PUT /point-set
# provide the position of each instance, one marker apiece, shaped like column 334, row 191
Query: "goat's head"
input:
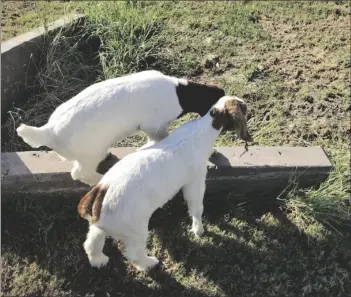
column 229, row 113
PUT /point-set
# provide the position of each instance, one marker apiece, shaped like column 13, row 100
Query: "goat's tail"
column 92, row 203
column 34, row 136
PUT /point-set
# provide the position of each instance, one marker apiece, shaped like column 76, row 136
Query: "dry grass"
column 249, row 252
column 19, row 16
column 291, row 62
column 56, row 82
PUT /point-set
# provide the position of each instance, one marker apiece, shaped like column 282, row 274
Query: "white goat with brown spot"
column 128, row 194
column 82, row 129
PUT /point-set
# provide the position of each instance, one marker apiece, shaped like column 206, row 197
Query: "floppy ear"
column 243, row 107
column 236, row 110
column 232, row 117
column 227, row 117
column 220, row 117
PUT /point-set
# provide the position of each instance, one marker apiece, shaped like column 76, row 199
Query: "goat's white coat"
column 83, row 128
column 145, row 180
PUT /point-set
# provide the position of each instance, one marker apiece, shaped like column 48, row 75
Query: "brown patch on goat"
column 232, row 116
column 106, row 163
column 90, row 205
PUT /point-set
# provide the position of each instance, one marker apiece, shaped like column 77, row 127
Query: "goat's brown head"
column 229, row 113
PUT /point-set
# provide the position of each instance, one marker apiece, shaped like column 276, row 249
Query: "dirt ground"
column 290, row 61
column 12, row 11
column 17, row 17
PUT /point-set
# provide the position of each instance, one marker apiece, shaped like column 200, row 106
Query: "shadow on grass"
column 52, row 235
column 243, row 252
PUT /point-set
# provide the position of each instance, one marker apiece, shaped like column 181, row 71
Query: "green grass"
column 290, row 61
column 127, row 36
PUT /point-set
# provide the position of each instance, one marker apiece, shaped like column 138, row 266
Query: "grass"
column 244, row 252
column 290, row 61
column 56, row 82
column 19, row 17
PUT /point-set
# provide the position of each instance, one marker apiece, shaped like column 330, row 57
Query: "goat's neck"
column 205, row 135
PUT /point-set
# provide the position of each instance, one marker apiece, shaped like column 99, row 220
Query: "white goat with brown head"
column 125, row 198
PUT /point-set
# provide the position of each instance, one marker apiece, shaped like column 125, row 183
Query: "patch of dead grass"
column 289, row 62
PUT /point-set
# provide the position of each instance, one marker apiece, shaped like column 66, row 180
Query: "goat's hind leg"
column 86, row 172
column 93, row 246
column 154, row 134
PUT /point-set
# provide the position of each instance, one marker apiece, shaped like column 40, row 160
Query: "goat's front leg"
column 213, row 152
column 93, row 246
column 154, row 135
column 194, row 194
column 85, row 171
column 135, row 248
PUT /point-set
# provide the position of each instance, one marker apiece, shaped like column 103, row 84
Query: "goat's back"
column 115, row 108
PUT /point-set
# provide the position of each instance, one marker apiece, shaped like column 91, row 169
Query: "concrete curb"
column 29, row 36
column 21, row 58
column 260, row 170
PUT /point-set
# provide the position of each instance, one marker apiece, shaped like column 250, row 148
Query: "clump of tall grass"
column 66, row 70
column 329, row 203
column 128, row 33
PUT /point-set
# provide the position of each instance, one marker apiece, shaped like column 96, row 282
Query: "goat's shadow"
column 218, row 159
column 47, row 231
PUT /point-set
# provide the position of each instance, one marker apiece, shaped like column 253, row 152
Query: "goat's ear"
column 236, row 110
column 219, row 118
column 243, row 107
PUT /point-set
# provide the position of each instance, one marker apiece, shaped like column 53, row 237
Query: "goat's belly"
column 95, row 136
column 133, row 215
column 156, row 192
column 86, row 143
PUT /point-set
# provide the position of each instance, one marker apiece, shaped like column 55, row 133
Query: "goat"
column 127, row 195
column 83, row 128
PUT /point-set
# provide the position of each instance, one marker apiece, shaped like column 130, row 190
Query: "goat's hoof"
column 92, row 184
column 61, row 158
column 198, row 231
column 145, row 146
column 98, row 261
column 151, row 262
column 214, row 152
column 75, row 175
column 91, row 181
